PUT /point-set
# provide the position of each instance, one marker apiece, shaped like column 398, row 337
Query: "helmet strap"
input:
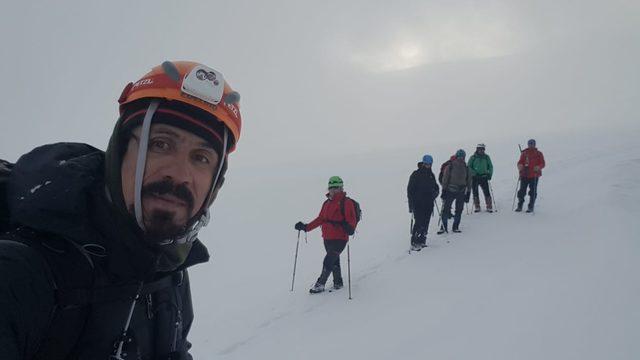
column 223, row 158
column 142, row 160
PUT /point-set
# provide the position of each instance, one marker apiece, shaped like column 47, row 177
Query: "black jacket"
column 422, row 189
column 71, row 268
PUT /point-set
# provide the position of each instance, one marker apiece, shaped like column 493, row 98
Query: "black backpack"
column 347, row 227
column 5, row 174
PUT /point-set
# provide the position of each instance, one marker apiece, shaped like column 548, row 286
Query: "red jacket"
column 529, row 159
column 330, row 218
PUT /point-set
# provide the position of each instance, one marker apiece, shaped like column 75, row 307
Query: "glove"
column 489, row 177
column 301, row 226
column 520, row 167
column 410, row 209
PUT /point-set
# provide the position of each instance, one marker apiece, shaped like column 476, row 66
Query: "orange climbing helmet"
column 193, row 84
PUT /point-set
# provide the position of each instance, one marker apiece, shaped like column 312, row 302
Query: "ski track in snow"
column 366, row 273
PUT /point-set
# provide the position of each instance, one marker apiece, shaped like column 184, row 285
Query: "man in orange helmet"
column 95, row 261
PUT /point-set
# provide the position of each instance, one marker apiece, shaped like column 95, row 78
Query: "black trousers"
column 449, row 198
column 421, row 225
column 331, row 262
column 483, row 183
column 532, row 184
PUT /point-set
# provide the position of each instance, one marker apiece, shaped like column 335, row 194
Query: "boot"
column 519, row 208
column 489, row 202
column 416, row 247
column 456, row 222
column 530, row 208
column 337, row 286
column 317, row 288
column 476, row 204
column 337, row 276
column 444, row 228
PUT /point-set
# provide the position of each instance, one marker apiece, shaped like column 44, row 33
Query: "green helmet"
column 335, row 181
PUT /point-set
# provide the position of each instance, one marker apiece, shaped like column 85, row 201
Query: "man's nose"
column 179, row 170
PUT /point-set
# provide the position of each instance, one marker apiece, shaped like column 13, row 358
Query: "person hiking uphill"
column 422, row 191
column 481, row 173
column 530, row 168
column 337, row 218
column 94, row 265
column 456, row 183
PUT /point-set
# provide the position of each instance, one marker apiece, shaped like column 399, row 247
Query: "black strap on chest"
column 82, row 297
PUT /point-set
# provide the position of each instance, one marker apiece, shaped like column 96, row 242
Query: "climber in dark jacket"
column 422, row 191
column 94, row 259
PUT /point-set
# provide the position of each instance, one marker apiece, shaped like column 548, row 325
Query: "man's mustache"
column 164, row 187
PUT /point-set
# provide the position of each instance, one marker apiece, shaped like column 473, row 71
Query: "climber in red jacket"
column 530, row 167
column 337, row 218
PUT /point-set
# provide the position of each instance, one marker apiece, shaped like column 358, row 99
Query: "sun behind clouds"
column 463, row 37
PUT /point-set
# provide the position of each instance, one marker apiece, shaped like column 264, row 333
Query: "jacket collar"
column 338, row 196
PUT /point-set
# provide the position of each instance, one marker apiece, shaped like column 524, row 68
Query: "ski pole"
column 349, row 269
column 435, row 201
column 513, row 205
column 537, row 188
column 411, row 226
column 493, row 197
column 411, row 232
column 295, row 261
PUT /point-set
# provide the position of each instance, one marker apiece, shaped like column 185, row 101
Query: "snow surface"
column 559, row 284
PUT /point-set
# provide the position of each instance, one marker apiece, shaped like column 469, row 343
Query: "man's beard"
column 161, row 224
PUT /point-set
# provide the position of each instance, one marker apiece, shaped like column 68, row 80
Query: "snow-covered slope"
column 559, row 284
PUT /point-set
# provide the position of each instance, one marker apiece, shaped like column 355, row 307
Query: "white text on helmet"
column 233, row 109
column 143, row 82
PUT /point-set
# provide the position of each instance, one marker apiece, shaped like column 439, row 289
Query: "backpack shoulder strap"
column 344, row 216
column 345, row 224
column 5, row 173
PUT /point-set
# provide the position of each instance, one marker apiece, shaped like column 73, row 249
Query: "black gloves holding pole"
column 301, row 226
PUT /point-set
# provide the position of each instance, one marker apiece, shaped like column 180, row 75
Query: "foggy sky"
column 332, row 77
